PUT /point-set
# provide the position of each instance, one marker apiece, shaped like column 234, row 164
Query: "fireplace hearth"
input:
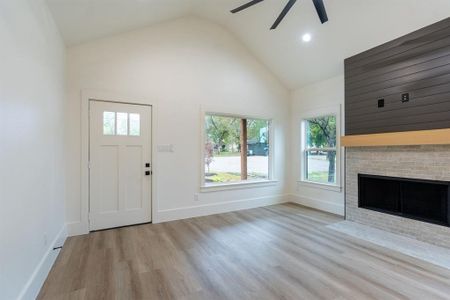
column 423, row 200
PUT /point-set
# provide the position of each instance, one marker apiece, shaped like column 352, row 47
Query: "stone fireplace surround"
column 421, row 162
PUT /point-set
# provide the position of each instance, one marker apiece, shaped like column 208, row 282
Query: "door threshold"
column 118, row 227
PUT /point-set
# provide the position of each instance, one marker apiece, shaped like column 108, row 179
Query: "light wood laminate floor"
column 276, row 252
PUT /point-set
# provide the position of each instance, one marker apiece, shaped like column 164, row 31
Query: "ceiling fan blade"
column 246, row 5
column 320, row 8
column 283, row 13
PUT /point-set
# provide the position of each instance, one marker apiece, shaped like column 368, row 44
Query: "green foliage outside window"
column 321, row 142
column 222, row 149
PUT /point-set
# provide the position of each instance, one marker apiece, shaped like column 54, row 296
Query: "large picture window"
column 320, row 150
column 236, row 149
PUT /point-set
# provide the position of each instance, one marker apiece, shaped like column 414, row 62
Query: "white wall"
column 181, row 66
column 31, row 151
column 323, row 94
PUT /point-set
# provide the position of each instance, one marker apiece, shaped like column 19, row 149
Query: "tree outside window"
column 236, row 149
column 320, row 149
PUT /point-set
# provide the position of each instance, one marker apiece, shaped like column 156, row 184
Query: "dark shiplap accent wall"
column 418, row 64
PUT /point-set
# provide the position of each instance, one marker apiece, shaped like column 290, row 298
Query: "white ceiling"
column 354, row 26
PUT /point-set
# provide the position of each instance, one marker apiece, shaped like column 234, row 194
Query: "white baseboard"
column 217, row 208
column 334, row 208
column 40, row 273
column 77, row 228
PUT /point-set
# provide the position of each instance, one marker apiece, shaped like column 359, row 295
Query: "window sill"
column 324, row 186
column 238, row 185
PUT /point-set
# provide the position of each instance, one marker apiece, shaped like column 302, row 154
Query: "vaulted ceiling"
column 354, row 26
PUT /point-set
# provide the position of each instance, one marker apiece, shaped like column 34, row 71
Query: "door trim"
column 82, row 227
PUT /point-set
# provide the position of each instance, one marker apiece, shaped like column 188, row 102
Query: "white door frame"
column 86, row 96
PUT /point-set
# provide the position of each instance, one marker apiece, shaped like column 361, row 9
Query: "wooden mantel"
column 421, row 137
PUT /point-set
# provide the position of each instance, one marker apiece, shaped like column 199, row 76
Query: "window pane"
column 222, row 149
column 122, row 123
column 321, row 166
column 257, row 149
column 109, row 123
column 135, row 124
column 321, row 132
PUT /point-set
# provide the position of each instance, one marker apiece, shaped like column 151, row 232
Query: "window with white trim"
column 236, row 149
column 320, row 153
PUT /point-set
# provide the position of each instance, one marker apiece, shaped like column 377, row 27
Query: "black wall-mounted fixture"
column 380, row 103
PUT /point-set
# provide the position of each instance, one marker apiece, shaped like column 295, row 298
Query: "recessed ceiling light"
column 306, row 37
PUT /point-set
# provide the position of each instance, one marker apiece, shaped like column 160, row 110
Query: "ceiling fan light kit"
column 318, row 4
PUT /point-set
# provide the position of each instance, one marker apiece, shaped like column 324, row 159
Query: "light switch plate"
column 165, row 148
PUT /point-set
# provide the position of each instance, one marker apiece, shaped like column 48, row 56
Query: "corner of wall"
column 40, row 273
column 326, row 93
column 217, row 208
column 320, row 204
column 77, row 228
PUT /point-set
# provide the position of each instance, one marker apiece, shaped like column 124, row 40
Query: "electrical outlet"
column 380, row 103
column 45, row 239
column 196, row 197
column 405, row 97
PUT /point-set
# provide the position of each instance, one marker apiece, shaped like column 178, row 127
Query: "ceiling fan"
column 320, row 8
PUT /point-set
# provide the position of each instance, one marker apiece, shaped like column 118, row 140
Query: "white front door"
column 120, row 164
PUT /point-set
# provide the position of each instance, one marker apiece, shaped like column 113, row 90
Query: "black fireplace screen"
column 424, row 200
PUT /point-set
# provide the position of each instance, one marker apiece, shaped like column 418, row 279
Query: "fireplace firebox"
column 423, row 200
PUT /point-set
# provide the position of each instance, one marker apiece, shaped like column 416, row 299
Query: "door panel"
column 134, row 176
column 108, row 167
column 119, row 149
